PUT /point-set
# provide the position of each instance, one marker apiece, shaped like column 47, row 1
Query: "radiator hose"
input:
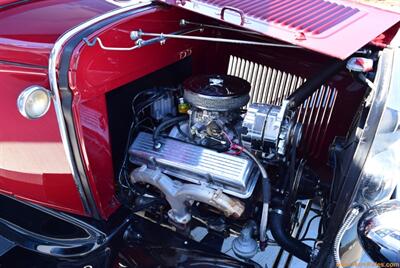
column 284, row 238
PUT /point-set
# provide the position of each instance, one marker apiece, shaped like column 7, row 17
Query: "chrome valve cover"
column 233, row 175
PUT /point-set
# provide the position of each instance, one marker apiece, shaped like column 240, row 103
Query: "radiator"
column 272, row 86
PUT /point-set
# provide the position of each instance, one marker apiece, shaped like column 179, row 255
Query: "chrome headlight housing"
column 381, row 173
column 34, row 102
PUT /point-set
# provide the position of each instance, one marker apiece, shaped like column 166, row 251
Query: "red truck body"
column 33, row 165
column 67, row 163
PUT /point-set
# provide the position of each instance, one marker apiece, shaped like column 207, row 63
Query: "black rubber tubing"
column 284, row 239
column 167, row 123
column 314, row 83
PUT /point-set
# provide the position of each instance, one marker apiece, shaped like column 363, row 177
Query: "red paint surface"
column 29, row 30
column 29, row 166
column 335, row 28
column 96, row 72
column 5, row 2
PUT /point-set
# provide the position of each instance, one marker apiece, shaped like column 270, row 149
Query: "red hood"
column 335, row 28
column 8, row 2
column 29, row 29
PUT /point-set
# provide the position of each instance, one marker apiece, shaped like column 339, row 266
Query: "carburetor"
column 216, row 102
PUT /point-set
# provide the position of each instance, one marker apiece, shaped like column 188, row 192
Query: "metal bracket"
column 164, row 36
column 139, row 42
column 182, row 34
column 98, row 40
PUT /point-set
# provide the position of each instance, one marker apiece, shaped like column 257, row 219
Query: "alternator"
column 268, row 129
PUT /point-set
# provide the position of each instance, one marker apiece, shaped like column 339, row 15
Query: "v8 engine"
column 212, row 152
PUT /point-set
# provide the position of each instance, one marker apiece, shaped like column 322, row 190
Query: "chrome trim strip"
column 52, row 69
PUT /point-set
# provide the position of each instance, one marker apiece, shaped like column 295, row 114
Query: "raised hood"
column 334, row 28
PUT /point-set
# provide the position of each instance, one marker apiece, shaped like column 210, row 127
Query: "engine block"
column 233, row 175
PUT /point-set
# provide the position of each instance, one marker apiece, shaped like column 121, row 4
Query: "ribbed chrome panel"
column 272, row 86
column 232, row 174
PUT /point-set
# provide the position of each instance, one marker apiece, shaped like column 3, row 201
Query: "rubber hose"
column 285, row 240
column 164, row 125
column 311, row 85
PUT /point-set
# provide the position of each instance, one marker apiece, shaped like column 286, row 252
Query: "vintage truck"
column 198, row 133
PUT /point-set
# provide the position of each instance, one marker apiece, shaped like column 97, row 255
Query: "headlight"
column 34, row 102
column 381, row 171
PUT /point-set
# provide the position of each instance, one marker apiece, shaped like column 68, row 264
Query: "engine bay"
column 208, row 157
column 192, row 133
column 231, row 139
